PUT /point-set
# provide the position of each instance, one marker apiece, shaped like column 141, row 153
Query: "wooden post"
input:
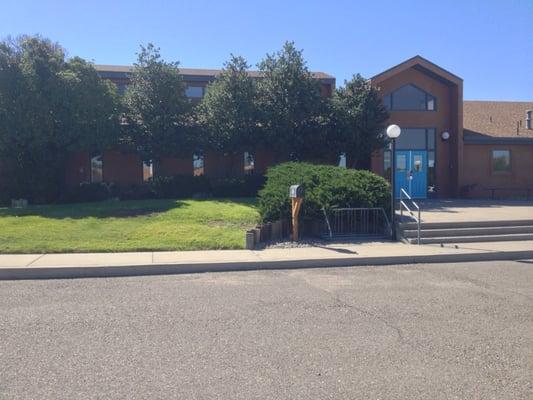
column 296, row 205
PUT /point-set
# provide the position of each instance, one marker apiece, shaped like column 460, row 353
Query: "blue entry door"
column 412, row 173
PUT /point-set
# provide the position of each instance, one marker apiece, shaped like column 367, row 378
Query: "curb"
column 69, row 272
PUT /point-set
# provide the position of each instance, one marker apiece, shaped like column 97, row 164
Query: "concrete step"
column 469, row 239
column 476, row 231
column 465, row 224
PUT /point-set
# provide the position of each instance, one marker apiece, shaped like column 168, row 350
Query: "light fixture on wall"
column 445, row 135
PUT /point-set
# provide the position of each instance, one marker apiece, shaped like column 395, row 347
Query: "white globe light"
column 445, row 135
column 393, row 131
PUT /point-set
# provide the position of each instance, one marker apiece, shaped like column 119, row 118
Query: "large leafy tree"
column 157, row 110
column 357, row 121
column 49, row 107
column 227, row 114
column 292, row 109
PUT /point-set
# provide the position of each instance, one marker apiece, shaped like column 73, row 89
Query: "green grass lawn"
column 128, row 226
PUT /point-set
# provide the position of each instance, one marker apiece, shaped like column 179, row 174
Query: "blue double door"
column 412, row 173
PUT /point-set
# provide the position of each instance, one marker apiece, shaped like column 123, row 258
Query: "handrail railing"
column 356, row 222
column 403, row 204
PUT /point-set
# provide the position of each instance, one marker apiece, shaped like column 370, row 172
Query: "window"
column 198, row 164
column 387, row 164
column 342, row 160
column 401, row 162
column 417, row 161
column 148, row 170
column 409, row 98
column 501, row 161
column 249, row 163
column 194, row 92
column 416, row 139
column 431, row 138
column 411, row 139
column 121, row 88
column 97, row 170
column 431, row 171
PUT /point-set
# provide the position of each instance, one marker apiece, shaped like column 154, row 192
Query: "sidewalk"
column 43, row 266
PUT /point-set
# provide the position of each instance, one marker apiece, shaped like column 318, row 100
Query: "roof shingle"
column 200, row 72
column 496, row 119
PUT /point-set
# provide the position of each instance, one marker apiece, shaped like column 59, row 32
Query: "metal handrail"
column 327, row 222
column 417, row 219
column 364, row 210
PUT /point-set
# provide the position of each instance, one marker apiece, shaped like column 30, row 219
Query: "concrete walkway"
column 459, row 210
column 41, row 266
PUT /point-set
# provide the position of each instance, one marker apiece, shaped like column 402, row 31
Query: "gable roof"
column 122, row 71
column 420, row 63
column 490, row 121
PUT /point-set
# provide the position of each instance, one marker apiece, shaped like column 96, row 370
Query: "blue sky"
column 488, row 43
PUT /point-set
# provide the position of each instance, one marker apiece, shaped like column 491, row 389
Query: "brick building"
column 448, row 147
column 128, row 169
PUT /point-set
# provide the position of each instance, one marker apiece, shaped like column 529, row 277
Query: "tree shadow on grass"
column 102, row 209
column 242, row 201
column 113, row 208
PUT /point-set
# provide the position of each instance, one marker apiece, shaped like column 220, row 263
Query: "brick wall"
column 122, row 169
column 78, row 169
column 443, row 119
column 477, row 170
column 174, row 166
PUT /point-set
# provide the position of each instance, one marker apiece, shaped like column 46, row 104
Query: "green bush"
column 180, row 186
column 186, row 186
column 141, row 191
column 325, row 187
column 87, row 192
column 246, row 186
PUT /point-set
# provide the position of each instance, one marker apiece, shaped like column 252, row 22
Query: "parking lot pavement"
column 435, row 331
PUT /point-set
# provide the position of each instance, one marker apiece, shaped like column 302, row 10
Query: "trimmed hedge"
column 246, row 186
column 87, row 191
column 325, row 187
column 179, row 186
column 167, row 187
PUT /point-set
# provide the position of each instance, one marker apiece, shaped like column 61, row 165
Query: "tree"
column 156, row 108
column 227, row 114
column 357, row 121
column 49, row 107
column 292, row 109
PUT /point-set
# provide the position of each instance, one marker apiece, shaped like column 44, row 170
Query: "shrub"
column 135, row 192
column 87, row 191
column 180, row 186
column 246, row 186
column 326, row 187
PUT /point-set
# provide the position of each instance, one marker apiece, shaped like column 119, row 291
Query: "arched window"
column 410, row 98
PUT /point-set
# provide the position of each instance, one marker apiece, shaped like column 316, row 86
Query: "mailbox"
column 296, row 192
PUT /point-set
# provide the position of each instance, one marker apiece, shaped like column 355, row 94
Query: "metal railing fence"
column 356, row 222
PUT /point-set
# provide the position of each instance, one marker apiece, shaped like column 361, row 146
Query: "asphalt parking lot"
column 441, row 331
